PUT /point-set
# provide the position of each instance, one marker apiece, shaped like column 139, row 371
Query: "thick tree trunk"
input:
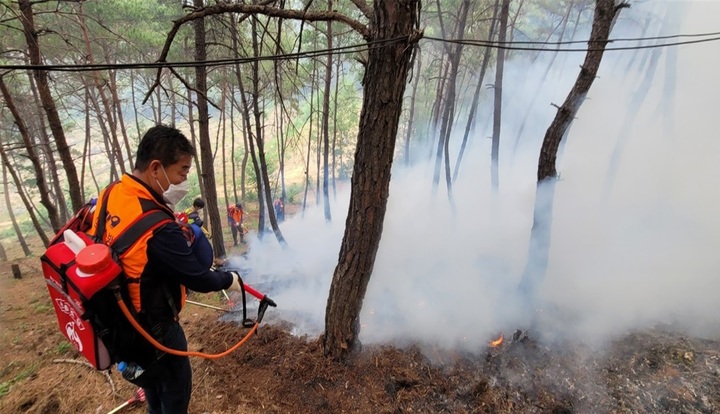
column 41, row 79
column 384, row 80
column 605, row 13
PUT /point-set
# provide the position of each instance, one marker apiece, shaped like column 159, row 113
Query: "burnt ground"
column 653, row 371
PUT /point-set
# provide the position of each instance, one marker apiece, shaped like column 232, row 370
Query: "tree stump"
column 16, row 271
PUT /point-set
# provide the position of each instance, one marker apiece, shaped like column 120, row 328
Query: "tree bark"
column 11, row 214
column 309, row 145
column 539, row 249
column 448, row 115
column 107, row 142
column 33, row 157
column 411, row 114
column 41, row 79
column 265, row 203
column 497, row 114
column 326, row 121
column 549, row 66
column 100, row 86
column 49, row 158
column 7, row 166
column 206, row 158
column 338, row 67
column 117, row 105
column 385, row 79
column 476, row 96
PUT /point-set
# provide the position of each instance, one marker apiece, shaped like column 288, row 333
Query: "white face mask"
column 174, row 192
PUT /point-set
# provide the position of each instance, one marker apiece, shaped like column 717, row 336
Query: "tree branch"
column 221, row 8
column 364, row 8
column 190, row 87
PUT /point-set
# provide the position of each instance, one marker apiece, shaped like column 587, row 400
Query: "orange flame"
column 497, row 342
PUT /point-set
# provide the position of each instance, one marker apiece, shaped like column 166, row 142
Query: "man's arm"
column 170, row 256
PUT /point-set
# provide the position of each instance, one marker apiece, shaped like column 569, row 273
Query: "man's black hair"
column 198, row 203
column 163, row 143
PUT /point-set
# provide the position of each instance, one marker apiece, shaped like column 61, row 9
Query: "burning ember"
column 496, row 343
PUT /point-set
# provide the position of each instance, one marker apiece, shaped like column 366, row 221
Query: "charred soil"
column 654, row 371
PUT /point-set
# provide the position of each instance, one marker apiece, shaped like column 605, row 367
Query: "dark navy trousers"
column 170, row 391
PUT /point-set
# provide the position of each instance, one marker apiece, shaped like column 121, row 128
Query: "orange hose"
column 163, row 348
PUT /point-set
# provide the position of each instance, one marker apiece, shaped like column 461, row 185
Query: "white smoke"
column 642, row 254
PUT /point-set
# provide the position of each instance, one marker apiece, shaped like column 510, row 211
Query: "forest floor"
column 655, row 371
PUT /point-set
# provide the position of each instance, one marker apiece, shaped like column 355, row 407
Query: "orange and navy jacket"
column 235, row 215
column 160, row 262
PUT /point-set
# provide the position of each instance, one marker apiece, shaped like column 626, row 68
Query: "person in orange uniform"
column 160, row 265
column 235, row 217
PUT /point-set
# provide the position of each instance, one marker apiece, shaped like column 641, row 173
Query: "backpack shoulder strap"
column 147, row 221
column 102, row 213
column 150, row 220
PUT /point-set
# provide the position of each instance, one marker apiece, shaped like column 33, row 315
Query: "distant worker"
column 235, row 218
column 193, row 213
column 279, row 210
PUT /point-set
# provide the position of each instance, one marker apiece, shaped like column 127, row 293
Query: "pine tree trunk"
column 476, row 96
column 33, row 157
column 385, row 79
column 605, row 13
column 497, row 114
column 41, row 79
column 326, row 121
column 11, row 214
column 7, row 167
column 411, row 115
column 49, row 158
column 206, row 157
column 265, row 204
